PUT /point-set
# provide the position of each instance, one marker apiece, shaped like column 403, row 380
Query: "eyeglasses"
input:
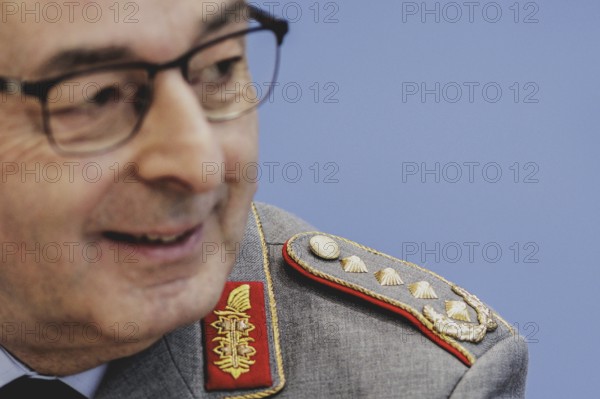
column 98, row 109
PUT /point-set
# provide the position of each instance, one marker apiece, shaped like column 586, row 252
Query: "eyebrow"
column 71, row 59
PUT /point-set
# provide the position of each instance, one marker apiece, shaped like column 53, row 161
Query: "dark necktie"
column 35, row 388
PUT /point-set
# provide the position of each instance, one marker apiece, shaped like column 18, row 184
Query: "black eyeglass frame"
column 40, row 89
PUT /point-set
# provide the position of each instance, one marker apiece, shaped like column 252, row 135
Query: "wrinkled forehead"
column 32, row 31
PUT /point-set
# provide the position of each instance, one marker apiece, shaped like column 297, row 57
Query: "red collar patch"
column 236, row 341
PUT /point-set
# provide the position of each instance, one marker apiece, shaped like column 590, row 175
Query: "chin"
column 176, row 304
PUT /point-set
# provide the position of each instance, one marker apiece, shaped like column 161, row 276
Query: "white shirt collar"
column 86, row 382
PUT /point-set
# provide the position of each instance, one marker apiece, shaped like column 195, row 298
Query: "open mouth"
column 150, row 240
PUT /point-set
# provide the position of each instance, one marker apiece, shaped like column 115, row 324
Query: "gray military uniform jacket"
column 338, row 334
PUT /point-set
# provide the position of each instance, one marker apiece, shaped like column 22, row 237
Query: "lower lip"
column 131, row 253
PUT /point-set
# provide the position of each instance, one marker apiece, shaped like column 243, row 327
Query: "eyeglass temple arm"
column 280, row 26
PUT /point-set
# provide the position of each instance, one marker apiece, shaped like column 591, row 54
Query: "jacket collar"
column 174, row 366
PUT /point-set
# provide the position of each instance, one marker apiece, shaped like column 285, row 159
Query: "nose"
column 176, row 142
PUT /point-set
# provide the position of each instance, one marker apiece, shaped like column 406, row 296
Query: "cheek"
column 21, row 134
column 239, row 140
column 45, row 196
column 241, row 154
column 36, row 182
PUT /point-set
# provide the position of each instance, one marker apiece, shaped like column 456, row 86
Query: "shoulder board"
column 447, row 314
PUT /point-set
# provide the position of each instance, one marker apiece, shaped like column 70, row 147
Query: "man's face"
column 65, row 221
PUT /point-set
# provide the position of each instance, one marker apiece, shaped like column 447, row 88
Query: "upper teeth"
column 153, row 237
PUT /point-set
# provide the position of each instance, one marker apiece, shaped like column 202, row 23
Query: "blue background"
column 365, row 132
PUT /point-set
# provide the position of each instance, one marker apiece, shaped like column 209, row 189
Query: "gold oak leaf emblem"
column 233, row 327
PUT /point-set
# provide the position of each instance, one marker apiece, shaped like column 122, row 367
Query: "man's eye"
column 225, row 67
column 105, row 95
column 218, row 72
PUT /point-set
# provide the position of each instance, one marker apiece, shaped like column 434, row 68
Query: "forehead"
column 155, row 30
